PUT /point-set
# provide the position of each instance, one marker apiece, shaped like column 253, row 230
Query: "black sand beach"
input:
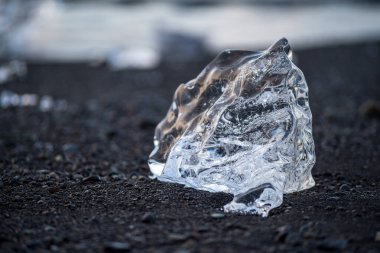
column 77, row 180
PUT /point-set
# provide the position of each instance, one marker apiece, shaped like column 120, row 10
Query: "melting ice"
column 244, row 127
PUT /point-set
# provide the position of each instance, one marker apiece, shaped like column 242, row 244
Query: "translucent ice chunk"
column 243, row 126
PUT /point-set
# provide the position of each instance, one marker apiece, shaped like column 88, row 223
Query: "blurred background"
column 133, row 33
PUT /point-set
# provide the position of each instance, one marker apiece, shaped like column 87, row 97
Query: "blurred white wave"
column 128, row 35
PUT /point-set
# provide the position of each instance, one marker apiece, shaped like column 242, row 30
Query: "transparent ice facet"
column 243, row 126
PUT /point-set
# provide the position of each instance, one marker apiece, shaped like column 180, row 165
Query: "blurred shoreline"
column 135, row 35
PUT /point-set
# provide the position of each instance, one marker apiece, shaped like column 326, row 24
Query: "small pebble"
column 54, row 248
column 77, row 177
column 203, row 228
column 377, row 236
column 344, row 187
column 58, row 158
column 370, row 108
column 111, row 133
column 53, row 175
column 29, row 231
column 70, row 148
column 53, row 189
column 115, row 247
column 306, row 227
column 332, row 244
column 49, row 228
column 293, row 238
column 177, row 237
column 282, row 232
column 71, row 206
column 91, row 179
column 147, row 218
column 218, row 215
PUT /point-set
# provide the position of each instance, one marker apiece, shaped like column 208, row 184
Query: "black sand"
column 77, row 180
